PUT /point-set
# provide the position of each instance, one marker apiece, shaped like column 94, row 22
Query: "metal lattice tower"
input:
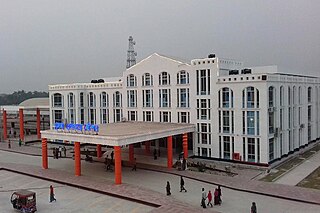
column 131, row 54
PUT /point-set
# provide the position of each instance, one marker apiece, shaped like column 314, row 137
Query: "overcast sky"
column 47, row 42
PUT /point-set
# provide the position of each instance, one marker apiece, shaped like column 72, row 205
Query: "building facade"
column 255, row 115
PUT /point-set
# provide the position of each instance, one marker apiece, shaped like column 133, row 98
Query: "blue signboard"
column 78, row 128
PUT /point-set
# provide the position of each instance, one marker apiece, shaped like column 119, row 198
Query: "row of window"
column 164, row 79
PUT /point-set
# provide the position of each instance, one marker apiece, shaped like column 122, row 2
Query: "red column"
column 117, row 165
column 169, row 144
column 185, row 145
column 4, row 121
column 99, row 152
column 147, row 147
column 21, row 124
column 44, row 154
column 131, row 153
column 77, row 159
column 38, row 123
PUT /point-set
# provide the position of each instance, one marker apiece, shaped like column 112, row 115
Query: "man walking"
column 112, row 154
column 52, row 198
column 182, row 185
column 203, row 198
column 134, row 168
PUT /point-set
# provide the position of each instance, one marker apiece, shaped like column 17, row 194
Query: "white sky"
column 49, row 41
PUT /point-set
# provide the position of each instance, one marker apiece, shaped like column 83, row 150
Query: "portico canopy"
column 122, row 133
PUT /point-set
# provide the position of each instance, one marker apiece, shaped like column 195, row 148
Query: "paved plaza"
column 69, row 199
column 152, row 184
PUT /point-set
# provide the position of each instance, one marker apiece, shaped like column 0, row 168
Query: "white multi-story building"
column 255, row 115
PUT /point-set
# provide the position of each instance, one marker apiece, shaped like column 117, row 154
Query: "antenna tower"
column 131, row 54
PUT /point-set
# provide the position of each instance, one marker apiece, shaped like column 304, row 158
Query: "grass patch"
column 312, row 180
column 289, row 164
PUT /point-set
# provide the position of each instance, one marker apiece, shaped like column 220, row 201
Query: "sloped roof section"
column 156, row 55
column 35, row 102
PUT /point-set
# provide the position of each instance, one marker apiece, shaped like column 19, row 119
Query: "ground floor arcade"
column 118, row 136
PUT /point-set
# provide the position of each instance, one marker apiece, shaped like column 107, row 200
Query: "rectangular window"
column 132, row 98
column 82, row 121
column 226, row 121
column 203, row 82
column 251, row 150
column 164, row 98
column 183, row 98
column 271, row 149
column 226, row 147
column 147, row 98
column 250, row 123
column 148, row 116
column 57, row 116
column 165, row 117
column 104, row 116
column 183, row 117
column 132, row 115
column 117, row 115
column 204, row 152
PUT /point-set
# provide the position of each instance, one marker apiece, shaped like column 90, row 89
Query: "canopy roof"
column 122, row 133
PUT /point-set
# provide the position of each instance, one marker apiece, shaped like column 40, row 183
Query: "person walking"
column 65, row 151
column 209, row 199
column 219, row 195
column 182, row 185
column 134, row 168
column 168, row 188
column 9, row 144
column 20, row 142
column 216, row 199
column 112, row 154
column 60, row 151
column 155, row 154
column 253, row 208
column 52, row 198
column 203, row 198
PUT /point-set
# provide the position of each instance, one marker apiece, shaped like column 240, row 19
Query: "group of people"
column 57, row 152
column 216, row 199
column 182, row 188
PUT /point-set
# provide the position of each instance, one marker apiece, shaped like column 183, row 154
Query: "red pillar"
column 99, row 152
column 147, row 147
column 4, row 121
column 117, row 165
column 131, row 153
column 44, row 154
column 38, row 123
column 185, row 145
column 169, row 144
column 21, row 124
column 77, row 159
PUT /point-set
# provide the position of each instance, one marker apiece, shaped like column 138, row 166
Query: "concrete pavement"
column 297, row 174
column 152, row 184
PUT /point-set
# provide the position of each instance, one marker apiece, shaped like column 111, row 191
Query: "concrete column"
column 131, row 153
column 147, row 147
column 21, row 124
column 117, row 165
column 44, row 154
column 99, row 152
column 4, row 121
column 169, row 145
column 38, row 123
column 77, row 159
column 185, row 145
